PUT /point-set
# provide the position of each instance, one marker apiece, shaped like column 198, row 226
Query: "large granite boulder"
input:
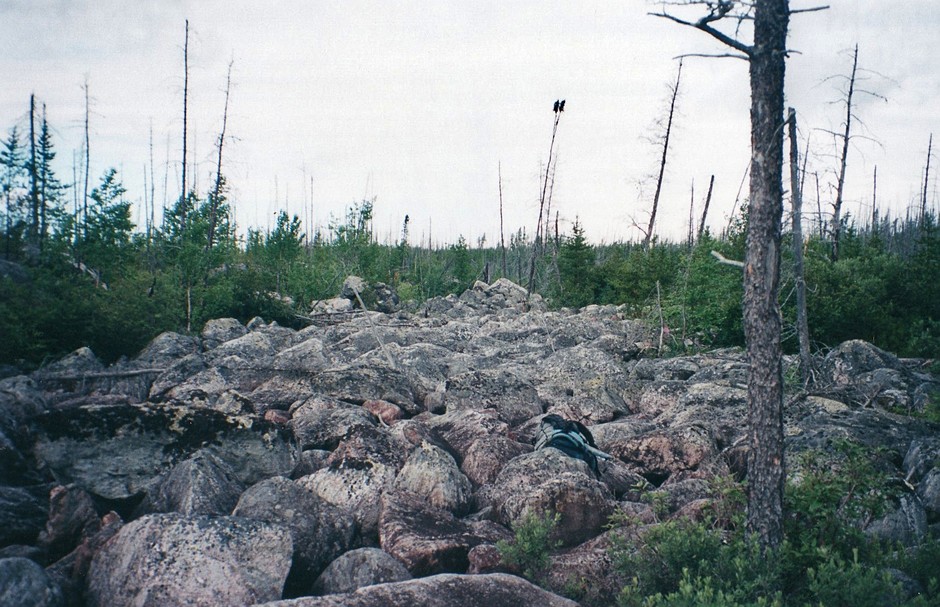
column 429, row 540
column 358, row 472
column 548, row 481
column 201, row 484
column 444, row 590
column 432, row 474
column 358, row 568
column 320, row 531
column 169, row 560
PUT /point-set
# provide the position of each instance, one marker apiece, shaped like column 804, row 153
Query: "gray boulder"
column 548, row 481
column 320, row 531
column 432, row 474
column 166, row 349
column 23, row 583
column 906, row 524
column 358, row 568
column 23, row 513
column 201, row 484
column 220, row 330
column 358, row 471
column 167, row 560
column 322, row 423
column 488, row 455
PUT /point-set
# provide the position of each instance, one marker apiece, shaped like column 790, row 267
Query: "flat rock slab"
column 444, row 590
column 118, row 451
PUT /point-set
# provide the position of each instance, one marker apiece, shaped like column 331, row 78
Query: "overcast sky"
column 420, row 103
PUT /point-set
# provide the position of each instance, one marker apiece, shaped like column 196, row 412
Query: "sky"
column 431, row 107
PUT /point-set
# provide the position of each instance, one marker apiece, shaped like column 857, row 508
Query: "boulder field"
column 376, row 458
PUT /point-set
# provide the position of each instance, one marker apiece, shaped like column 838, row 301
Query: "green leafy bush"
column 531, row 548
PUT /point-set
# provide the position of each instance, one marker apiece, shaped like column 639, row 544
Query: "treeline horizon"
column 88, row 276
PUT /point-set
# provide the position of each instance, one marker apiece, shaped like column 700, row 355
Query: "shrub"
column 530, row 549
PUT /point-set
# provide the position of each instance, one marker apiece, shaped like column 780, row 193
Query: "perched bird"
column 561, row 106
column 556, row 106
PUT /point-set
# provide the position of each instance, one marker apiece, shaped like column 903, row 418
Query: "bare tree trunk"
column 690, row 237
column 87, row 164
column 538, row 228
column 840, row 184
column 662, row 162
column 874, row 200
column 33, row 175
column 217, row 190
column 708, row 200
column 185, row 116
column 802, row 324
column 502, row 232
column 762, row 275
column 923, row 202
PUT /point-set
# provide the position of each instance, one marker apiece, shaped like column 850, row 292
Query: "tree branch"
column 810, row 10
column 703, row 24
column 713, row 56
column 729, row 262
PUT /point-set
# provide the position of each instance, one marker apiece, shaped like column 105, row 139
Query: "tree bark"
column 762, row 320
column 796, row 194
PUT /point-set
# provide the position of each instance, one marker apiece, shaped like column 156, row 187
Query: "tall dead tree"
column 843, row 160
column 708, row 201
column 185, row 117
column 502, row 232
column 87, row 162
column 219, row 180
column 796, row 201
column 662, row 163
column 923, row 200
column 33, row 176
column 766, row 58
column 558, row 109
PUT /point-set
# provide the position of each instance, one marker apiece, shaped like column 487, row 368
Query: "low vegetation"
column 709, row 561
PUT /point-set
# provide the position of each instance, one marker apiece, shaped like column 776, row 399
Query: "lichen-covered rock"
column 358, row 471
column 322, row 424
column 169, row 560
column 23, row 583
column 429, row 540
column 488, row 455
column 444, row 590
column 657, row 456
column 320, row 531
column 906, row 524
column 220, row 330
column 548, row 481
column 201, row 484
column 460, row 429
column 514, row 399
column 120, row 451
column 432, row 474
column 358, row 568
